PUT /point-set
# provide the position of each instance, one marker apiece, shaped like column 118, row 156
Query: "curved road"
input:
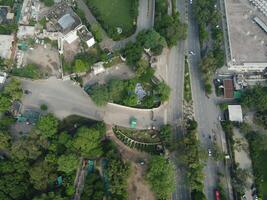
column 145, row 20
column 63, row 98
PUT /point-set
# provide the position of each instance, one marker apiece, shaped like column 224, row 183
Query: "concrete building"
column 6, row 46
column 64, row 20
column 246, row 37
column 5, row 15
column 235, row 113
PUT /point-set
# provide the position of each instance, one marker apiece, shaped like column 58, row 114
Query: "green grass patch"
column 29, row 71
column 147, row 136
column 115, row 13
column 187, row 83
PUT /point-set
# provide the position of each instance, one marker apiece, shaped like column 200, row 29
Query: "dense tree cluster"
column 209, row 20
column 255, row 98
column 169, row 26
column 161, row 177
column 148, row 39
column 31, row 164
column 11, row 92
column 190, row 155
column 123, row 92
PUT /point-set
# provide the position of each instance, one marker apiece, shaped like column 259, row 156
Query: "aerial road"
column 206, row 114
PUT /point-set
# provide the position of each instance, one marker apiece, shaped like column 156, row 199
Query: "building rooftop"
column 247, row 39
column 228, row 88
column 66, row 21
column 62, row 18
column 235, row 113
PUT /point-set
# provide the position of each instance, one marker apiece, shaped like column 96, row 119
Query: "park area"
column 115, row 14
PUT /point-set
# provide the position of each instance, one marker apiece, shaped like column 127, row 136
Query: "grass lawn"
column 114, row 13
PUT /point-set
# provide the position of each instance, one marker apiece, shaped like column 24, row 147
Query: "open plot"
column 45, row 58
column 113, row 14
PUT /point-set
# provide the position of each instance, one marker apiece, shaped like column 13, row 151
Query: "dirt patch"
column 70, row 50
column 46, row 58
column 138, row 189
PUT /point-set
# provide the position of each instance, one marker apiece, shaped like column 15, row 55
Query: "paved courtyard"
column 63, row 98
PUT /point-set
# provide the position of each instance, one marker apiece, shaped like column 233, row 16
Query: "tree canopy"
column 161, row 176
column 88, row 142
column 48, row 125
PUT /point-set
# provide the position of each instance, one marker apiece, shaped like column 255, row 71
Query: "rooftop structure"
column 247, row 38
column 228, row 88
column 6, row 46
column 63, row 19
column 3, row 76
column 235, row 113
column 5, row 15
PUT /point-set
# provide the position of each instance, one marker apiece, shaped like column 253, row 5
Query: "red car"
column 217, row 194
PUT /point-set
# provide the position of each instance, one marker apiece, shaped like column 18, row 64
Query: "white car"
column 209, row 152
column 192, row 53
column 191, row 1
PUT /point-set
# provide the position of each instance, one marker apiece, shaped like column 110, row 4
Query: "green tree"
column 97, row 32
column 5, row 140
column 42, row 173
column 164, row 91
column 13, row 89
column 255, row 98
column 133, row 53
column 165, row 134
column 43, row 107
column 161, row 176
column 99, row 94
column 5, row 103
column 150, row 39
column 93, row 187
column 67, row 163
column 80, row 66
column 50, row 196
column 118, row 173
column 87, row 142
column 116, row 89
column 48, row 3
column 48, row 125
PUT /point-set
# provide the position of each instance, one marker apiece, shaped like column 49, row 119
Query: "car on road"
column 209, row 152
column 191, row 52
column 191, row 2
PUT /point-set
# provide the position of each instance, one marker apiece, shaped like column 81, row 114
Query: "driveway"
column 63, row 98
column 120, row 71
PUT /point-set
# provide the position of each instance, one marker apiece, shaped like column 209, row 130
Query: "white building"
column 3, row 76
column 235, row 113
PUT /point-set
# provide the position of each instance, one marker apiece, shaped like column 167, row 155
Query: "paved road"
column 206, row 114
column 145, row 20
column 175, row 79
column 64, row 98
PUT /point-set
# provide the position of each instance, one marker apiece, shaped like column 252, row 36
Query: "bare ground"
column 138, row 189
